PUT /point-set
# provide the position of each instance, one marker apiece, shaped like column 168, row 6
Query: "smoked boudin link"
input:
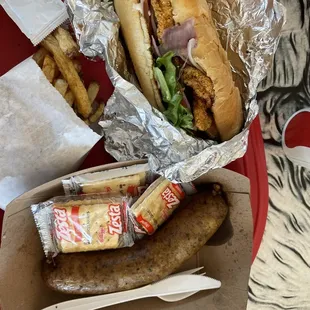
column 149, row 260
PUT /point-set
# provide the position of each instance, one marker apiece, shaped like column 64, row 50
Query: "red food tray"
column 16, row 47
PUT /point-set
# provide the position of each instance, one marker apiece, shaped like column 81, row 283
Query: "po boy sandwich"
column 181, row 65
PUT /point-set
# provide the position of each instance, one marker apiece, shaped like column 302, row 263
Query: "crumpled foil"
column 248, row 29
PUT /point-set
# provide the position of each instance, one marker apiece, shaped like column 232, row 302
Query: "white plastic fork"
column 172, row 285
column 179, row 297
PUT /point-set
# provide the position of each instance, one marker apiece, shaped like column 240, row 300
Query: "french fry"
column 69, row 97
column 66, row 42
column 61, row 85
column 50, row 68
column 39, row 56
column 77, row 65
column 93, row 90
column 68, row 71
column 95, row 117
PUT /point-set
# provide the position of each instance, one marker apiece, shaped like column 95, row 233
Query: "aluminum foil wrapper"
column 248, row 29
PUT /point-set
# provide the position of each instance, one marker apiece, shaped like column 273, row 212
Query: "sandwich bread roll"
column 135, row 32
column 221, row 102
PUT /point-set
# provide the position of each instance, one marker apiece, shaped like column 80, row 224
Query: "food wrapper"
column 36, row 18
column 131, row 181
column 41, row 138
column 158, row 202
column 83, row 223
column 249, row 31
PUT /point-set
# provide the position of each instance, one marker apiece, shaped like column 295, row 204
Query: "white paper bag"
column 41, row 137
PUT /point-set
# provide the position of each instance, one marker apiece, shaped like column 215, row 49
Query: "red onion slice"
column 185, row 103
column 146, row 9
column 177, row 37
column 153, row 23
column 191, row 44
column 155, row 47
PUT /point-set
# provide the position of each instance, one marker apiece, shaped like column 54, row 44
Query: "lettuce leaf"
column 165, row 74
column 172, row 112
column 170, row 71
column 165, row 92
column 185, row 118
column 178, row 115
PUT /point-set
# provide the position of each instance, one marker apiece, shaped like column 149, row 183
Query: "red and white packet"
column 83, row 223
column 131, row 181
column 158, row 202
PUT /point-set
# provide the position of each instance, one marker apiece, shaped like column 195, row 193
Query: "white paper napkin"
column 36, row 18
column 41, row 137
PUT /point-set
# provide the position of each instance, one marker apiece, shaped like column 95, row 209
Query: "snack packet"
column 132, row 181
column 83, row 223
column 158, row 202
column 36, row 18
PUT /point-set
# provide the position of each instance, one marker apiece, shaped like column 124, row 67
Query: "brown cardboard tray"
column 227, row 260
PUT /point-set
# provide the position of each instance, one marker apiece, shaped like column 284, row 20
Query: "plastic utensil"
column 178, row 297
column 176, row 284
